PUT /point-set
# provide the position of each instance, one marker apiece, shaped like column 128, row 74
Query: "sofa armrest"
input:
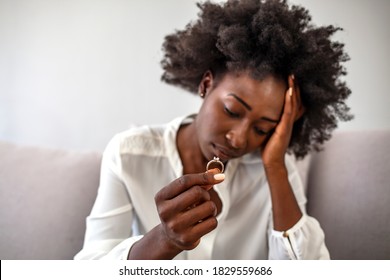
column 45, row 196
column 349, row 193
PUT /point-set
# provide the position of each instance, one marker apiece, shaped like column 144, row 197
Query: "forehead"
column 269, row 83
column 267, row 93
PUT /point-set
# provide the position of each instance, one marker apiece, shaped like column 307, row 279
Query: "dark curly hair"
column 266, row 37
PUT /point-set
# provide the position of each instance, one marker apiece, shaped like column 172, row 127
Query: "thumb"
column 217, row 176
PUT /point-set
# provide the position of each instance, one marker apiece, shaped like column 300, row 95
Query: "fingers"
column 189, row 238
column 296, row 102
column 287, row 118
column 276, row 146
column 185, row 182
column 186, row 192
column 184, row 229
column 203, row 227
column 292, row 110
column 184, row 201
column 186, row 210
column 290, row 97
column 192, row 217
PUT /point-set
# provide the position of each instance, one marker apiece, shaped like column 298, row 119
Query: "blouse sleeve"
column 109, row 225
column 306, row 239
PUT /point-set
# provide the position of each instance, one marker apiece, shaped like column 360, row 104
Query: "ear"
column 206, row 83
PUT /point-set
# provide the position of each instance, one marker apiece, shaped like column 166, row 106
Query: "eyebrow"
column 246, row 105
column 241, row 101
column 270, row 120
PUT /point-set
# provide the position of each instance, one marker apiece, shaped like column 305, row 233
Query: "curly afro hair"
column 266, row 37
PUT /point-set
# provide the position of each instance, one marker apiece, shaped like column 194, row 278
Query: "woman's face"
column 238, row 114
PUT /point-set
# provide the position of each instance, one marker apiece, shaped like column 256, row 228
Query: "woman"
column 270, row 85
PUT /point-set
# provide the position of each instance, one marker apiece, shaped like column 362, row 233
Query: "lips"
column 225, row 153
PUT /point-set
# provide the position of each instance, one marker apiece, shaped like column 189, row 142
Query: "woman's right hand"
column 186, row 210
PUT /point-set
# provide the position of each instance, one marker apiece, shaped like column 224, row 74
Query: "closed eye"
column 260, row 131
column 231, row 113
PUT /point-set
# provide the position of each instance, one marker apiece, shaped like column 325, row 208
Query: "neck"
column 189, row 151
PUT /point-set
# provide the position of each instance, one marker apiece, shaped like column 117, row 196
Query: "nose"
column 238, row 137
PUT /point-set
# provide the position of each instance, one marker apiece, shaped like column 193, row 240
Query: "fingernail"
column 290, row 91
column 219, row 176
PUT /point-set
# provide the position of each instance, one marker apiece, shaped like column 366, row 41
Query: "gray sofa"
column 46, row 194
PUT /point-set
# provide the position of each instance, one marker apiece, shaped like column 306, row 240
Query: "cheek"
column 206, row 123
column 256, row 142
column 210, row 117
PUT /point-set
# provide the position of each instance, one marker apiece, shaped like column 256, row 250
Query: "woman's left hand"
column 275, row 148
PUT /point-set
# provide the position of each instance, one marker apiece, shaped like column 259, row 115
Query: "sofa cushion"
column 45, row 196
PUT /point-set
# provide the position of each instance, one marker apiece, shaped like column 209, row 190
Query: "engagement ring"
column 215, row 163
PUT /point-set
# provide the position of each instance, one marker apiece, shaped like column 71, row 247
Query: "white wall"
column 73, row 73
column 366, row 35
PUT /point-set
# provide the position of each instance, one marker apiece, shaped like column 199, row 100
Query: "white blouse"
column 140, row 161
